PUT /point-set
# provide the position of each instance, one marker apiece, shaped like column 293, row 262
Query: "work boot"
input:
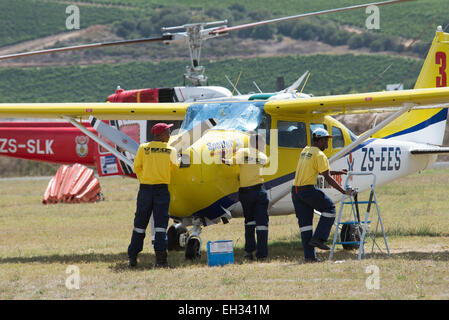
column 312, row 260
column 248, row 256
column 315, row 242
column 132, row 261
column 161, row 259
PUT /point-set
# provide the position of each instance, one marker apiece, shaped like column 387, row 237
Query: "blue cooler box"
column 220, row 252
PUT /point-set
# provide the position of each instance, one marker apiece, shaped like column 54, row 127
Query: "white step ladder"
column 360, row 224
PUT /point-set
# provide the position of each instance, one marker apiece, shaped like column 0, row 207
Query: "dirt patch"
column 92, row 34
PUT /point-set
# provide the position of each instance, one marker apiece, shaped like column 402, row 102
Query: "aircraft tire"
column 349, row 233
column 173, row 234
column 193, row 247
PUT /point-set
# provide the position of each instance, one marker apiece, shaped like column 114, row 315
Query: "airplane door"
column 107, row 163
column 292, row 138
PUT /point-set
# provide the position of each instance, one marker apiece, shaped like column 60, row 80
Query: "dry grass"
column 38, row 243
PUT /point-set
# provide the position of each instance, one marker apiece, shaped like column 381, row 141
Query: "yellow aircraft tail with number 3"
column 425, row 126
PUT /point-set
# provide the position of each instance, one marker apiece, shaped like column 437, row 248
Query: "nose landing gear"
column 176, row 237
column 179, row 237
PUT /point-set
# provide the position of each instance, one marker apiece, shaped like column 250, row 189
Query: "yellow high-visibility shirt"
column 154, row 161
column 251, row 162
column 311, row 163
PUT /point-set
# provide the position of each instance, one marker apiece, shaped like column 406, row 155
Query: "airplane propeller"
column 297, row 83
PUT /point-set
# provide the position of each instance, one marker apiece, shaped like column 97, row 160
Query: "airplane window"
column 292, row 134
column 337, row 141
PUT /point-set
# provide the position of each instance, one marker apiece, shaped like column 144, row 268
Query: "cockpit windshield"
column 242, row 116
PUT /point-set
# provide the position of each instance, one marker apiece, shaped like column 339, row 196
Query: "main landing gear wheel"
column 349, row 234
column 174, row 236
column 193, row 248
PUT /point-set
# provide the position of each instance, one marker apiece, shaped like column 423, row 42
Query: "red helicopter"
column 93, row 143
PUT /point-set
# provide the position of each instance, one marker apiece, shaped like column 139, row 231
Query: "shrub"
column 355, row 41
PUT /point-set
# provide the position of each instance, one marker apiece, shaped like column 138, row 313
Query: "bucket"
column 220, row 252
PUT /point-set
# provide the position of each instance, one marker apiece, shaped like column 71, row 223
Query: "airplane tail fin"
column 425, row 126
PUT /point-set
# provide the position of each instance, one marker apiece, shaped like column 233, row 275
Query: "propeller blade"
column 224, row 30
column 297, row 83
column 88, row 46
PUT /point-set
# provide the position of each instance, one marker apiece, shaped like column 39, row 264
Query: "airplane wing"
column 361, row 102
column 320, row 106
column 103, row 111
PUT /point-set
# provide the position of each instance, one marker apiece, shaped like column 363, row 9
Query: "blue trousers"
column 305, row 201
column 254, row 201
column 150, row 199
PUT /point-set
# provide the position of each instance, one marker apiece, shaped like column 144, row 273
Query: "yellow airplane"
column 204, row 190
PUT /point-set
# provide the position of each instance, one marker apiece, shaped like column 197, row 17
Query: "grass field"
column 38, row 243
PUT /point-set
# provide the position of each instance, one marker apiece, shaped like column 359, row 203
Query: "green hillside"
column 22, row 20
column 407, row 19
column 330, row 74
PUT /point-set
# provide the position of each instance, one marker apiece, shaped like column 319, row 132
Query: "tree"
column 286, row 28
column 355, row 41
column 377, row 45
column 263, row 32
column 145, row 28
column 340, row 37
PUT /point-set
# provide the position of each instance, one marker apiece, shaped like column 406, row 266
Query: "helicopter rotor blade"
column 224, row 30
column 88, row 46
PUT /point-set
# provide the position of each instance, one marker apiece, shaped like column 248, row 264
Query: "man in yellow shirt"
column 253, row 196
column 306, row 197
column 153, row 164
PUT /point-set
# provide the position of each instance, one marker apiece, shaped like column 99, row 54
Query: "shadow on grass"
column 68, row 258
column 286, row 251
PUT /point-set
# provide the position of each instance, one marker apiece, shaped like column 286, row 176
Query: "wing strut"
column 407, row 107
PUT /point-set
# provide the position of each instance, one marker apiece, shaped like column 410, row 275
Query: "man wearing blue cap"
column 307, row 198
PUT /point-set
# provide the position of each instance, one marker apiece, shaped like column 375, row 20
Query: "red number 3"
column 441, row 61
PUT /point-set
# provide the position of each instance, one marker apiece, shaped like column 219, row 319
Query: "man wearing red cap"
column 153, row 164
